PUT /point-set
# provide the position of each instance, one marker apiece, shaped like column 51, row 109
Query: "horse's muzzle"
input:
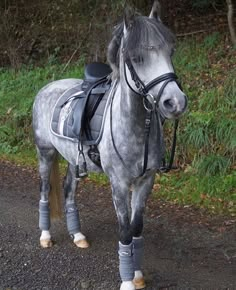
column 173, row 107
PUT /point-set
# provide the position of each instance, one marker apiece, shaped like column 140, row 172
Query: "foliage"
column 31, row 31
column 208, row 130
column 205, row 4
column 215, row 193
column 207, row 135
column 17, row 95
column 206, row 138
column 212, row 165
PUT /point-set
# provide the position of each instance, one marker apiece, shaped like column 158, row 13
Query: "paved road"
column 185, row 249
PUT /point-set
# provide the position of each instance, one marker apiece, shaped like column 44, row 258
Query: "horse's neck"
column 129, row 110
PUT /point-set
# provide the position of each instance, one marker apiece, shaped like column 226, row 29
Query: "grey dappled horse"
column 143, row 84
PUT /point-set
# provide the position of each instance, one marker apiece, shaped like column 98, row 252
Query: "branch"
column 191, row 33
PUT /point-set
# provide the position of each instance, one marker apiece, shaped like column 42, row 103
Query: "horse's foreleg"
column 120, row 194
column 141, row 189
column 71, row 210
column 46, row 157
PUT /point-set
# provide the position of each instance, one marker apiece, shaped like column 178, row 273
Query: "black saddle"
column 96, row 83
column 79, row 112
column 84, row 105
column 95, row 71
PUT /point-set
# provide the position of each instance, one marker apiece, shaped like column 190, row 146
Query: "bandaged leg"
column 72, row 219
column 44, row 224
column 44, row 215
column 138, row 261
column 126, row 266
column 138, row 253
column 73, row 226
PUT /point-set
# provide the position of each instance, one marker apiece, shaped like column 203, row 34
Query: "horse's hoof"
column 127, row 285
column 46, row 243
column 83, row 244
column 139, row 283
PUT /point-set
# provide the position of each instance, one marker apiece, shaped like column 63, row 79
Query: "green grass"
column 17, row 93
column 206, row 139
column 215, row 193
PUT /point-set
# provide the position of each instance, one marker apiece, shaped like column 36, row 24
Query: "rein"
column 150, row 105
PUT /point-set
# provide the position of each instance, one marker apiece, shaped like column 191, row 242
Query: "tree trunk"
column 231, row 21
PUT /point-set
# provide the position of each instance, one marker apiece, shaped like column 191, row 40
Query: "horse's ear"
column 156, row 10
column 129, row 15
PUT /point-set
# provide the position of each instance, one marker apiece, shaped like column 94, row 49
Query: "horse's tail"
column 55, row 192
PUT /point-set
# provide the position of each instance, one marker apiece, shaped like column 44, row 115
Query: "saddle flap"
column 78, row 117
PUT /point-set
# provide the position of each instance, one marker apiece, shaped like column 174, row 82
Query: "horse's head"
column 140, row 52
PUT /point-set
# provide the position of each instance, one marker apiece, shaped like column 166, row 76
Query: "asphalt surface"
column 184, row 247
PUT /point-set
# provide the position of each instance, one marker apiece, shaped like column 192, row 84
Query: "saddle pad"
column 62, row 118
column 60, row 111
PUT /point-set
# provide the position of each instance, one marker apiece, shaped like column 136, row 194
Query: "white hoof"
column 80, row 241
column 127, row 285
column 46, row 243
column 45, row 240
column 139, row 281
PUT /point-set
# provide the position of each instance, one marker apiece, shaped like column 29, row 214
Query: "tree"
column 231, row 21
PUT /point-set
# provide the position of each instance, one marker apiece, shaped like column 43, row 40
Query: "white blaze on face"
column 172, row 101
column 157, row 63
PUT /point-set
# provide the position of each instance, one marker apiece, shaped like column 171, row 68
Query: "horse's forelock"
column 148, row 32
column 143, row 32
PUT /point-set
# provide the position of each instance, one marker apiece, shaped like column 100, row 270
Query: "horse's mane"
column 114, row 47
column 143, row 33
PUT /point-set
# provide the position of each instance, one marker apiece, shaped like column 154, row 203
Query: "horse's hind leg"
column 71, row 210
column 141, row 189
column 46, row 157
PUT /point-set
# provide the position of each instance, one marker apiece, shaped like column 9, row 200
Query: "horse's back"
column 43, row 106
column 56, row 87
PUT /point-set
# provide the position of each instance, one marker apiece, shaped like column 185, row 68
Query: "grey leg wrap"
column 126, row 262
column 138, row 253
column 72, row 219
column 44, row 216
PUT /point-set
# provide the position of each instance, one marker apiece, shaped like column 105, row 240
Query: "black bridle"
column 150, row 104
column 143, row 89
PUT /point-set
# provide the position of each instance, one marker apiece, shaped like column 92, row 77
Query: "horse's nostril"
column 169, row 105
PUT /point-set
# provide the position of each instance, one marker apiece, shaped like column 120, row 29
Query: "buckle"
column 149, row 102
